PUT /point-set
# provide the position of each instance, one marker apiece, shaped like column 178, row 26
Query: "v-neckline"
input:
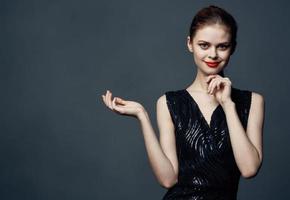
column 208, row 124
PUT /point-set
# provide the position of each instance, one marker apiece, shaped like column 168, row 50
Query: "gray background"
column 59, row 141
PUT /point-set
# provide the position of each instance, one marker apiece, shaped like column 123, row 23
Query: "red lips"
column 212, row 64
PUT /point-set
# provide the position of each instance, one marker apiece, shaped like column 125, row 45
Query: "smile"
column 212, row 64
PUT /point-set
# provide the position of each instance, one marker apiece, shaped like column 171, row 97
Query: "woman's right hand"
column 120, row 106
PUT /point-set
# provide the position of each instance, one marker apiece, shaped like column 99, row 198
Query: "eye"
column 223, row 46
column 203, row 45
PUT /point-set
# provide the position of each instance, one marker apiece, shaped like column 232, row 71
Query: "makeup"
column 212, row 64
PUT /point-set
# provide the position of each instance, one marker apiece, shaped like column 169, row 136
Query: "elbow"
column 169, row 183
column 251, row 171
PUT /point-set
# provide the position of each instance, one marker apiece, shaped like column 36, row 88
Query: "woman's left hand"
column 220, row 87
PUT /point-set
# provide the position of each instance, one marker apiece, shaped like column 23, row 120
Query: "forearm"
column 161, row 165
column 245, row 153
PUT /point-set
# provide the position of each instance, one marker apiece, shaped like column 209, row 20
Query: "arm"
column 162, row 156
column 247, row 145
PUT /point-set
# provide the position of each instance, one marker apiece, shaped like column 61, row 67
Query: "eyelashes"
column 220, row 46
column 203, row 45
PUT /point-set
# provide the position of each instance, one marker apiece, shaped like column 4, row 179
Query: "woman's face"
column 211, row 48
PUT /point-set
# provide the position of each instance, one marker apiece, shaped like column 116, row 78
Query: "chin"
column 212, row 71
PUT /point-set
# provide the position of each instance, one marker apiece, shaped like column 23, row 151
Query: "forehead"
column 214, row 33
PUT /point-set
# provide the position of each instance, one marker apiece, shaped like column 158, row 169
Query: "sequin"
column 207, row 168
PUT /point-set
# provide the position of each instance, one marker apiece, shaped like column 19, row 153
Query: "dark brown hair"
column 214, row 15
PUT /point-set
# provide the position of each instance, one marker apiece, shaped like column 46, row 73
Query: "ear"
column 189, row 44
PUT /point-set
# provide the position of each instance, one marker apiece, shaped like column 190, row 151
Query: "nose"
column 212, row 53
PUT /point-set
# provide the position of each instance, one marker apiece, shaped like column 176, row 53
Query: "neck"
column 199, row 84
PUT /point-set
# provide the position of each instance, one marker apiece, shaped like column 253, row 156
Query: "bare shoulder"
column 257, row 99
column 161, row 100
column 257, row 110
column 161, row 105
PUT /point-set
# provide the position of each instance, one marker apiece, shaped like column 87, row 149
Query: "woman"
column 210, row 132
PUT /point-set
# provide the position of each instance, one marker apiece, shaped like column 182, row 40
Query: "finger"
column 210, row 86
column 110, row 100
column 213, row 85
column 211, row 81
column 119, row 109
column 114, row 106
column 104, row 98
column 219, row 85
column 210, row 77
column 224, row 82
column 107, row 99
column 228, row 81
column 120, row 101
column 218, row 76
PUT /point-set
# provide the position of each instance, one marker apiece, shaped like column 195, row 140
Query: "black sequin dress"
column 207, row 168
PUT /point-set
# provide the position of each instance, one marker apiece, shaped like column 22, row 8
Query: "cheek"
column 199, row 54
column 225, row 55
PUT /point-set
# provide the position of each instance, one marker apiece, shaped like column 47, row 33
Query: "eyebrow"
column 218, row 44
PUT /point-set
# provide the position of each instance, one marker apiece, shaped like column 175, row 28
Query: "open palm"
column 121, row 106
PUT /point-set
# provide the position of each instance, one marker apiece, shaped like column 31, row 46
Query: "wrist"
column 141, row 114
column 228, row 104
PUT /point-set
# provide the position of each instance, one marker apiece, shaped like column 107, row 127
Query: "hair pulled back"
column 215, row 15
